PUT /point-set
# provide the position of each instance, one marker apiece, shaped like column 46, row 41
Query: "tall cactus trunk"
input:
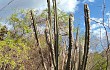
column 76, row 46
column 70, row 42
column 37, row 41
column 56, row 34
column 87, row 36
column 54, row 28
column 49, row 46
column 75, row 60
column 64, row 56
column 80, row 56
column 50, row 32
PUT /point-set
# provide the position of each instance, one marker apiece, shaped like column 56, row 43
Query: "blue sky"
column 75, row 6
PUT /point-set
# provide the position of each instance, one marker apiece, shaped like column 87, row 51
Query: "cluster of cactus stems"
column 50, row 32
column 72, row 59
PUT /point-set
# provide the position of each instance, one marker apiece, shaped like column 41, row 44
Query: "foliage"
column 101, row 63
column 13, row 47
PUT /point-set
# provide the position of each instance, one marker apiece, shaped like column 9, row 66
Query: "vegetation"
column 46, row 42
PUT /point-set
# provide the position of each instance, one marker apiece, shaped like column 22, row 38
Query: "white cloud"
column 93, row 26
column 91, row 0
column 108, row 13
column 68, row 5
column 88, row 1
column 97, row 19
column 108, row 19
column 96, row 25
column 99, row 32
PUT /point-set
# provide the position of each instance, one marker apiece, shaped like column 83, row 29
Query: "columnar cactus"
column 37, row 41
column 87, row 36
column 70, row 41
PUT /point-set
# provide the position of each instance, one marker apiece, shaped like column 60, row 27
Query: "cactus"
column 87, row 37
column 80, row 56
column 74, row 61
column 37, row 41
column 76, row 47
column 49, row 45
column 56, row 35
column 70, row 42
column 64, row 55
column 50, row 32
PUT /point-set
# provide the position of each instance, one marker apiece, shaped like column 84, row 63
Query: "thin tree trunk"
column 87, row 37
column 107, row 40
